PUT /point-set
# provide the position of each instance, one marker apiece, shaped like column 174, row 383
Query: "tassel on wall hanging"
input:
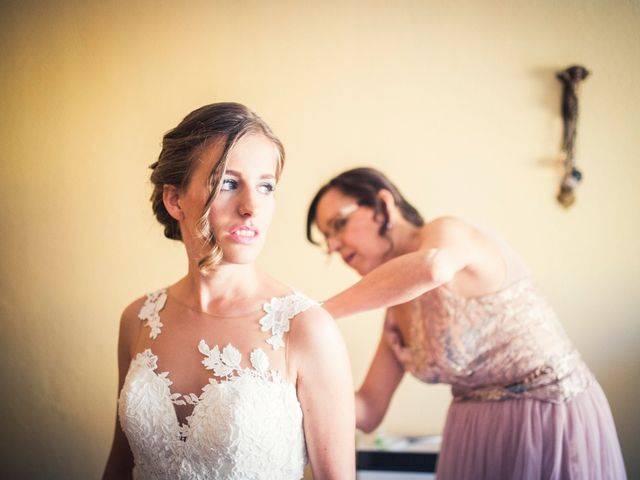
column 570, row 78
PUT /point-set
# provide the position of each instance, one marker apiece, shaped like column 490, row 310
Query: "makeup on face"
column 244, row 234
column 248, row 195
column 241, row 213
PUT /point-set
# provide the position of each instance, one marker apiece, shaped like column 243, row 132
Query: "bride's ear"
column 171, row 200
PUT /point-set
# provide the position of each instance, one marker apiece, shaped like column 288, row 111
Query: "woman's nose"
column 247, row 205
column 333, row 244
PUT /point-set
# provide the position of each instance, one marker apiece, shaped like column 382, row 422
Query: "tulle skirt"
column 531, row 439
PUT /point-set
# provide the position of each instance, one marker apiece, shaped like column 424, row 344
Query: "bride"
column 227, row 373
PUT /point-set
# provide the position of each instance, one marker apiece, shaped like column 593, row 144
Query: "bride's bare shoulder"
column 130, row 319
column 312, row 327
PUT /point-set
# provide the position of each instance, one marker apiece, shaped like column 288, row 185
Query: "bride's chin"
column 241, row 258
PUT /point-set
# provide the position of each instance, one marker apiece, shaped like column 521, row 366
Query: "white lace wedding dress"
column 246, row 423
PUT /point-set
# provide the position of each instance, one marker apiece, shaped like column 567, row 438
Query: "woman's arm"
column 325, row 390
column 408, row 276
column 374, row 395
column 120, row 461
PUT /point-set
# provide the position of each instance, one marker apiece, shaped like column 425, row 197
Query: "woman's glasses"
column 337, row 224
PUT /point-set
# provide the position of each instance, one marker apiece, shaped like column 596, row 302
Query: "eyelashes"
column 229, row 184
column 267, row 187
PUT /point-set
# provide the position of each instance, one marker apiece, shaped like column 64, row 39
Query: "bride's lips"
column 244, row 234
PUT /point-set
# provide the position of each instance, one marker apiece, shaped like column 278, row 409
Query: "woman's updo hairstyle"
column 184, row 144
column 363, row 184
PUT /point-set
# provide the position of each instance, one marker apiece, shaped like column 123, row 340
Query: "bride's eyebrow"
column 234, row 173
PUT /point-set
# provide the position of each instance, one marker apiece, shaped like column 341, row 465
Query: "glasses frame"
column 343, row 214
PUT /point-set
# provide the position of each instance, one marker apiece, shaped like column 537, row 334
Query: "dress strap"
column 515, row 268
column 150, row 311
column 279, row 312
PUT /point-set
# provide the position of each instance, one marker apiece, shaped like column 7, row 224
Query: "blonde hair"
column 186, row 143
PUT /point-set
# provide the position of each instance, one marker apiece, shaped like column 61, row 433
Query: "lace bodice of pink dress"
column 507, row 344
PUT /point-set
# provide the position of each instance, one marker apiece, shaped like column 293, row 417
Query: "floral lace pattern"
column 150, row 311
column 279, row 312
column 507, row 344
column 246, row 424
column 226, row 364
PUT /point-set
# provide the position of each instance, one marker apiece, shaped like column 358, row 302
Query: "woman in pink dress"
column 463, row 309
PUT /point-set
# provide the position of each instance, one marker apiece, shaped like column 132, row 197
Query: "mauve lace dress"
column 525, row 405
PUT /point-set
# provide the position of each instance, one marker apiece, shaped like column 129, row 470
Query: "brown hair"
column 364, row 184
column 184, row 144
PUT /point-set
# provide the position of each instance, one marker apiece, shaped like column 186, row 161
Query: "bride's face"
column 241, row 213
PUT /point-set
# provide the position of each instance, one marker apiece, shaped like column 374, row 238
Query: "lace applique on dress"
column 150, row 311
column 280, row 311
column 226, row 364
column 148, row 360
column 245, row 425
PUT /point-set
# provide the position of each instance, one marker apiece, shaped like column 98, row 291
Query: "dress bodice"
column 246, row 423
column 506, row 344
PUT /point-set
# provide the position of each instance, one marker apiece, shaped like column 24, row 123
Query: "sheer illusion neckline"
column 224, row 363
column 175, row 300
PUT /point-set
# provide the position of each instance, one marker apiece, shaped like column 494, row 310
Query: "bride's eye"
column 229, row 184
column 266, row 188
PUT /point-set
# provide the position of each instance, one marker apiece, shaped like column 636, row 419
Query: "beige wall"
column 455, row 100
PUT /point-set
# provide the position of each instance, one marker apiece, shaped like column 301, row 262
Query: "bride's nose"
column 247, row 205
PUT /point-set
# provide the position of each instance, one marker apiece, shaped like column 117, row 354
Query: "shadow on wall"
column 624, row 366
column 45, row 427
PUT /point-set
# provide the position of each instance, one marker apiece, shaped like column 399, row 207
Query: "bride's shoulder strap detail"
column 150, row 311
column 279, row 312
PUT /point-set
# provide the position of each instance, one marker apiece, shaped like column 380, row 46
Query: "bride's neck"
column 227, row 285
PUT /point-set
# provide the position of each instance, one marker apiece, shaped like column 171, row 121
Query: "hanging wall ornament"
column 570, row 78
